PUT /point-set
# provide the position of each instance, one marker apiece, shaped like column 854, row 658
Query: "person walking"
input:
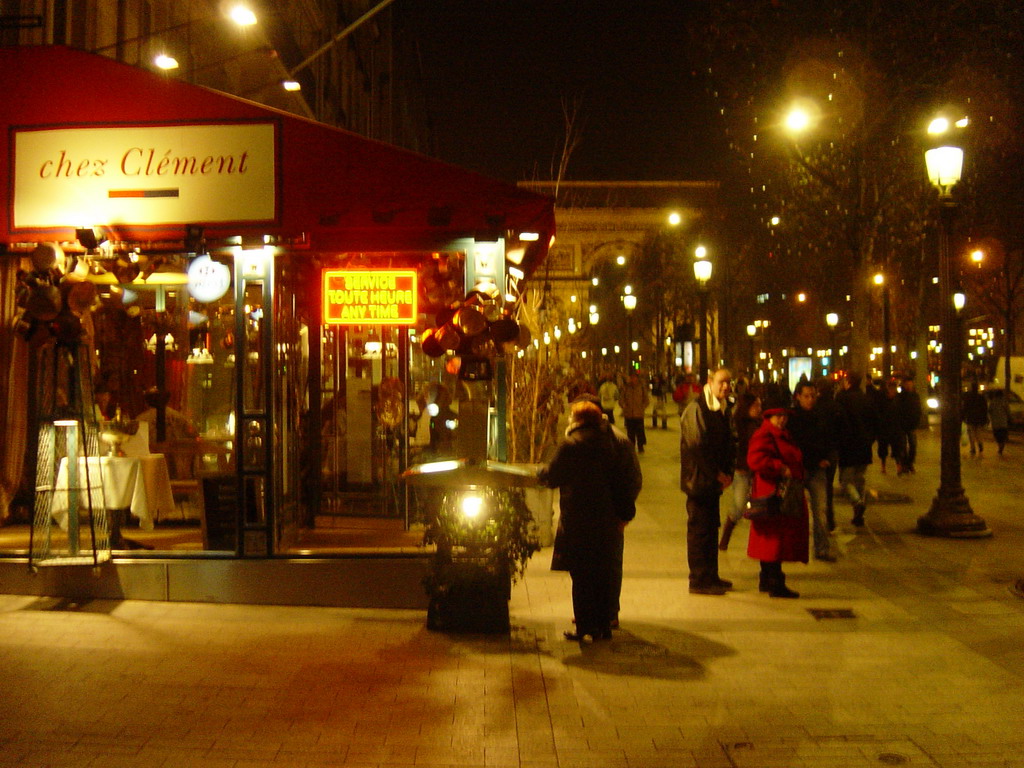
column 707, row 453
column 814, row 434
column 909, row 414
column 608, row 392
column 857, row 426
column 633, row 400
column 890, row 432
column 774, row 459
column 596, row 500
column 659, row 391
column 999, row 417
column 746, row 419
column 975, row 416
column 827, row 404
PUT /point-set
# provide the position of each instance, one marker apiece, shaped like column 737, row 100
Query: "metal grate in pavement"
column 832, row 613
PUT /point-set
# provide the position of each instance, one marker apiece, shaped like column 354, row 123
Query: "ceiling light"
column 163, row 61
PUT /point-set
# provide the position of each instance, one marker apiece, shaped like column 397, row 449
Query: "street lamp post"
column 832, row 320
column 950, row 513
column 751, row 332
column 702, row 271
column 886, row 335
column 629, row 302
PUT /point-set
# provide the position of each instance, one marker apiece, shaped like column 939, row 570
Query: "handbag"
column 764, row 507
column 785, row 501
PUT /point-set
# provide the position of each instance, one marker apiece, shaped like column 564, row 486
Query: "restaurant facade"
column 245, row 322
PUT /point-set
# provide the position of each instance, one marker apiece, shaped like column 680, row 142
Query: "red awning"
column 337, row 190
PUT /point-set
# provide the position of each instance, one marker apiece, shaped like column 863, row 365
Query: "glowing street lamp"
column 629, row 302
column 879, row 280
column 702, row 269
column 751, row 332
column 832, row 320
column 950, row 513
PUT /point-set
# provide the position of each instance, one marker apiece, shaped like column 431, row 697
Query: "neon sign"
column 370, row 297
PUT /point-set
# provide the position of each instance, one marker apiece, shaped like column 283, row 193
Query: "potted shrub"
column 483, row 539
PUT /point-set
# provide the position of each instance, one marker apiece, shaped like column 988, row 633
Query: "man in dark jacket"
column 813, row 431
column 706, row 453
column 598, row 475
column 857, row 429
column 909, row 413
column 974, row 413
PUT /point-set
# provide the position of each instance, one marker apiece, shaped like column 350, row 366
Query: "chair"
column 187, row 459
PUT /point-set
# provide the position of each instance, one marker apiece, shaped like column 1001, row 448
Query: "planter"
column 470, row 600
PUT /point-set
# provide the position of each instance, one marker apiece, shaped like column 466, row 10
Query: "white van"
column 1016, row 374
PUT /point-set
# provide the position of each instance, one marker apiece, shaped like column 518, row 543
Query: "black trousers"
column 592, row 596
column 636, row 433
column 702, row 521
column 616, row 578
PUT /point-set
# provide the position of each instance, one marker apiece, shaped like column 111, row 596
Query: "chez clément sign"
column 144, row 175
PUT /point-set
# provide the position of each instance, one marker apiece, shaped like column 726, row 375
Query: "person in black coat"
column 974, row 413
column 891, row 436
column 909, row 414
column 857, row 427
column 813, row 431
column 597, row 498
column 707, row 454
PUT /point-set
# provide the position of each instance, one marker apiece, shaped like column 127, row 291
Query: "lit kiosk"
column 298, row 278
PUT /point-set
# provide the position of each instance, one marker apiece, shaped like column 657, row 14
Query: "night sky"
column 496, row 72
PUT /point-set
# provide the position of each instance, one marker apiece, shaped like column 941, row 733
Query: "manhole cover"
column 832, row 613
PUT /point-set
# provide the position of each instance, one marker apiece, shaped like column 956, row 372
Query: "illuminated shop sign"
column 144, row 175
column 370, row 297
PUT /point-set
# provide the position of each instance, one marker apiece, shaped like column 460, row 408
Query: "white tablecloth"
column 139, row 483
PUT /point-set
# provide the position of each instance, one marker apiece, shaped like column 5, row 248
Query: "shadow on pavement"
column 650, row 651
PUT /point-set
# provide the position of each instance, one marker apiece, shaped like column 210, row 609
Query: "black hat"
column 774, row 402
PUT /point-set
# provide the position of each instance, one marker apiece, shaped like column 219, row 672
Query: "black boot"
column 727, row 529
column 779, row 589
column 770, row 574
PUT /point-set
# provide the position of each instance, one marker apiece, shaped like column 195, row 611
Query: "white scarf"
column 714, row 404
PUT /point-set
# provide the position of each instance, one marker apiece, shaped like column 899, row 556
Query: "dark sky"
column 497, row 72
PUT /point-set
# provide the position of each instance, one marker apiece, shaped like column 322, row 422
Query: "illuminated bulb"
column 163, row 61
column 243, row 16
column 471, row 506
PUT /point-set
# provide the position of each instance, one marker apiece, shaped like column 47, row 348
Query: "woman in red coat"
column 772, row 457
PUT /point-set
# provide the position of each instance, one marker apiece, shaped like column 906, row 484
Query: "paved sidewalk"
column 929, row 671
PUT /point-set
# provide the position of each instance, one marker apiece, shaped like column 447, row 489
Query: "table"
column 115, row 484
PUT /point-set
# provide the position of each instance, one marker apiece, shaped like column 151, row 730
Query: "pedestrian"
column 686, row 391
column 707, row 452
column 909, row 414
column 596, row 501
column 999, row 417
column 659, row 391
column 827, row 403
column 633, row 400
column 608, row 392
column 890, row 432
column 746, row 419
column 814, row 434
column 975, row 416
column 857, row 427
column 775, row 460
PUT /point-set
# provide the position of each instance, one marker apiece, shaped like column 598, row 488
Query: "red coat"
column 783, row 539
